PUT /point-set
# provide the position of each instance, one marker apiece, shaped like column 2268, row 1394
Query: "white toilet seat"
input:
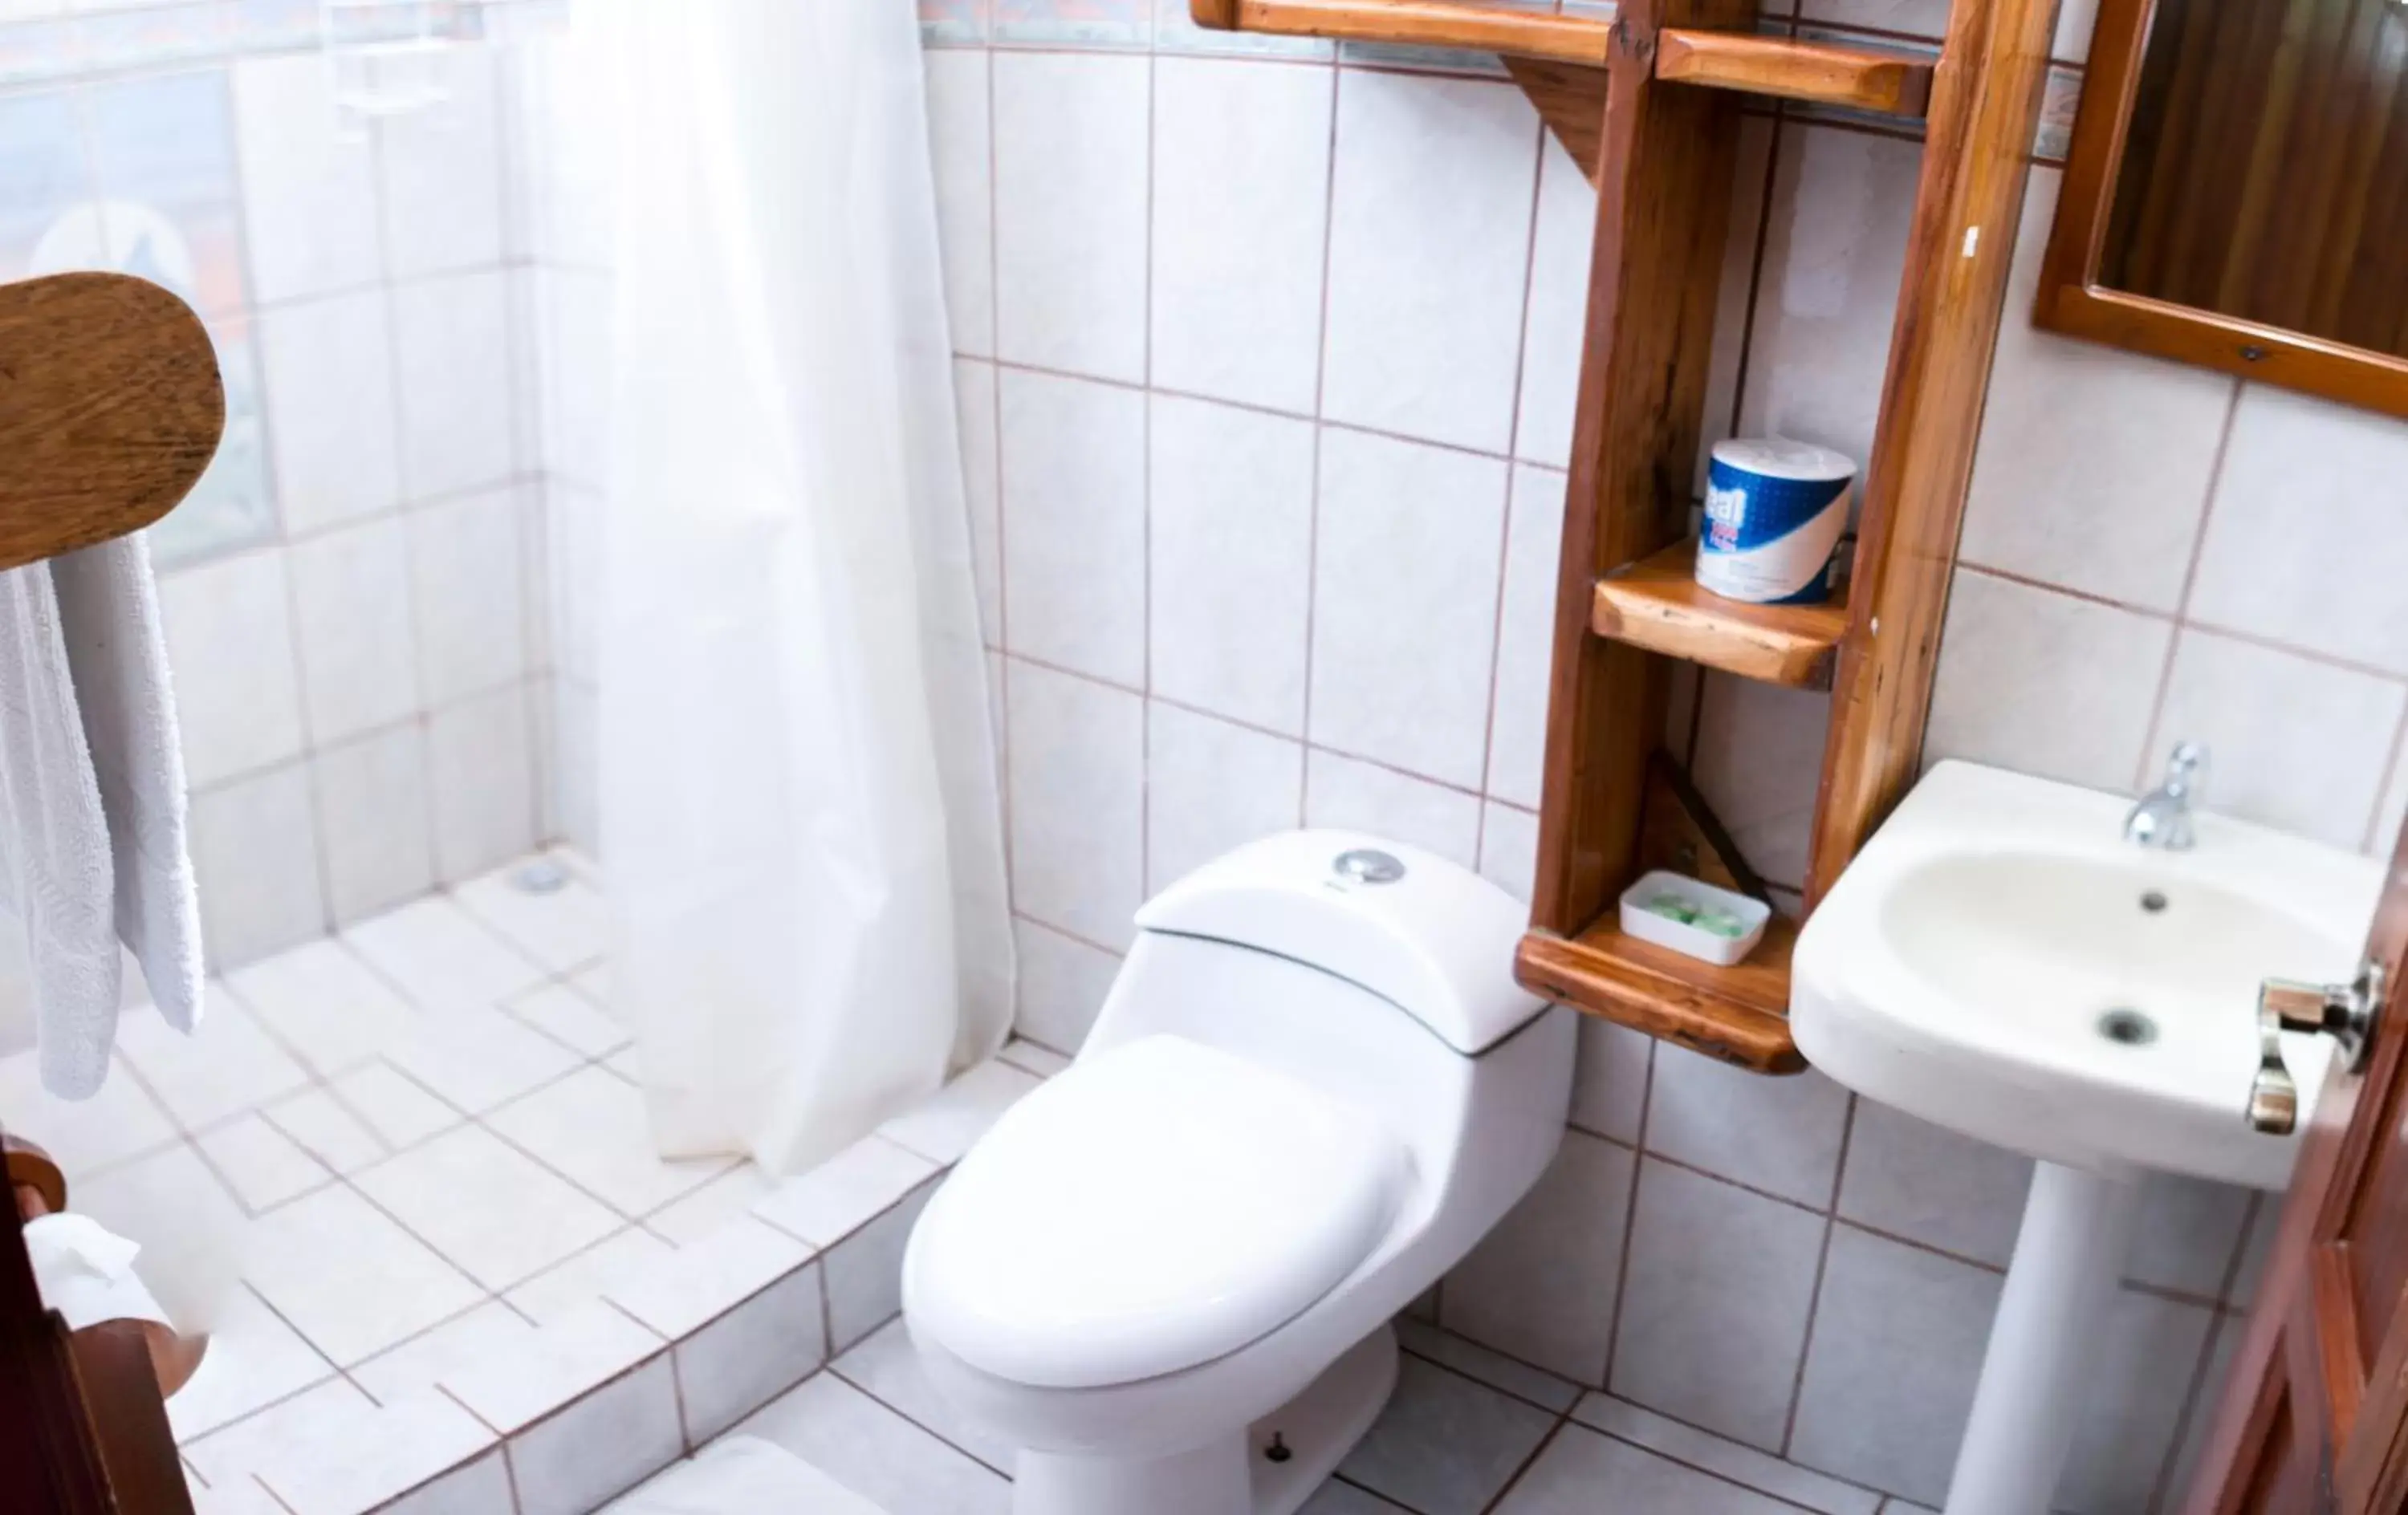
column 1157, row 1207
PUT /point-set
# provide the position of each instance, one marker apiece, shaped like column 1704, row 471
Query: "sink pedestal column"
column 2077, row 1231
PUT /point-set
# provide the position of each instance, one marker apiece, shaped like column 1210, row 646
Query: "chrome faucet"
column 2161, row 818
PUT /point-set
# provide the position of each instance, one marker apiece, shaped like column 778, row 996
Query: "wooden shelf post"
column 1663, row 208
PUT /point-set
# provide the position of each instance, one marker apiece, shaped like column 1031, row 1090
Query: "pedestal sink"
column 1999, row 961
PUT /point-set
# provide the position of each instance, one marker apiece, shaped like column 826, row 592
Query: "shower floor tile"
column 403, row 1175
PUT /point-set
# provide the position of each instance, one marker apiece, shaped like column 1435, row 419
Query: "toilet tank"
column 1377, row 973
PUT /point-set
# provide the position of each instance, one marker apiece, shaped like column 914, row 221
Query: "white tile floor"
column 1467, row 1431
column 402, row 1176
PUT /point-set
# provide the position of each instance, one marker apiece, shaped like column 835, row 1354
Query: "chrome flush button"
column 1365, row 865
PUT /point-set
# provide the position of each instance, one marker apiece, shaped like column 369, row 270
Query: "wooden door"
column 2315, row 1416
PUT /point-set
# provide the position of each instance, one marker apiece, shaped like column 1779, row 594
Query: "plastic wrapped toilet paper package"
column 1775, row 510
column 85, row 1272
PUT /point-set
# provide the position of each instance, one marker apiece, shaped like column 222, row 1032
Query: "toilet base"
column 1234, row 1475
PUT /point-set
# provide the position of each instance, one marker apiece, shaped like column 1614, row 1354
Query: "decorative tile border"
column 200, row 31
column 2061, row 99
column 1118, row 24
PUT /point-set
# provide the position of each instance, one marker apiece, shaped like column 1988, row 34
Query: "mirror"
column 2237, row 192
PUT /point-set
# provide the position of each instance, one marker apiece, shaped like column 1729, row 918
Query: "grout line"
column 1002, row 697
column 2190, row 583
column 897, row 1411
column 1726, row 1478
column 2217, row 1324
column 2182, row 621
column 1305, row 743
column 2163, row 1486
column 1253, row 408
column 1496, row 1501
column 1320, row 395
column 1630, row 1220
column 2392, row 776
column 1505, row 521
column 1145, row 501
column 1822, row 1272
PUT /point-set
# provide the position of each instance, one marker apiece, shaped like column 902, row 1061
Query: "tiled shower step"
column 585, row 1380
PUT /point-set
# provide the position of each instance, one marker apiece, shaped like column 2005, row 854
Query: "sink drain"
column 2128, row 1028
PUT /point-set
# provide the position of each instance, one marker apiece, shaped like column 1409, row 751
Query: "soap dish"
column 1692, row 941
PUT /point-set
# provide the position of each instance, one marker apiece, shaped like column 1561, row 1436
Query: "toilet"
column 1167, row 1274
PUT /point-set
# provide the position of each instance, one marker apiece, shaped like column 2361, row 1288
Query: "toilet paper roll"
column 1774, row 513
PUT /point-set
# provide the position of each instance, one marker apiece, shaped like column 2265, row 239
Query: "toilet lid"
column 1155, row 1206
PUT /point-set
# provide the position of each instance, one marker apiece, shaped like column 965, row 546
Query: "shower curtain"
column 799, row 814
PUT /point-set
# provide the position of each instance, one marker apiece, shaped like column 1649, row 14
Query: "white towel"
column 91, row 803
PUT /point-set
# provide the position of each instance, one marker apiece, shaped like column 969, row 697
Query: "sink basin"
column 1999, row 961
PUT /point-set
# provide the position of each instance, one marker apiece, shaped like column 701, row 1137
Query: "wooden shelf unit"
column 1657, row 604
column 1739, row 1014
column 1653, row 119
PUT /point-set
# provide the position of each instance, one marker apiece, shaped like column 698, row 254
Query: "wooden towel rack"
column 111, row 409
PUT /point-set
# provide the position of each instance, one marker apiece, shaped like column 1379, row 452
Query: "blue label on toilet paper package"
column 1775, row 514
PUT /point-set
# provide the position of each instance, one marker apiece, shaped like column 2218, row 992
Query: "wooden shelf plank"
column 1797, row 69
column 1657, row 604
column 1739, row 1014
column 1424, row 23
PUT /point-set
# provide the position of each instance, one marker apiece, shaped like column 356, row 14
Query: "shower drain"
column 540, row 877
column 2128, row 1027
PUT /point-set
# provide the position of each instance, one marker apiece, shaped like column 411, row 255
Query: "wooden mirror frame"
column 2071, row 300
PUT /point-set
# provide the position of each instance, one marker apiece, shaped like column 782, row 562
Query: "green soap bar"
column 1721, row 922
column 1673, row 908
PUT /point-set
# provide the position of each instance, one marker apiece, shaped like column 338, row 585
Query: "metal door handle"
column 2345, row 1013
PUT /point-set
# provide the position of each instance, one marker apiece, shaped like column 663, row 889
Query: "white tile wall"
column 1715, row 1304
column 308, row 188
column 440, row 172
column 1231, row 552
column 1074, row 561
column 1884, row 1304
column 1351, row 794
column 372, row 795
column 1543, row 1285
column 1525, row 635
column 2096, row 461
column 960, row 145
column 1211, row 786
column 2010, row 647
column 1405, row 570
column 366, row 563
column 1557, row 322
column 1076, row 803
column 1070, row 211
column 351, row 619
column 1241, row 207
column 451, row 341
column 1429, row 247
column 1835, row 245
column 330, row 384
column 229, row 630
column 255, row 852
